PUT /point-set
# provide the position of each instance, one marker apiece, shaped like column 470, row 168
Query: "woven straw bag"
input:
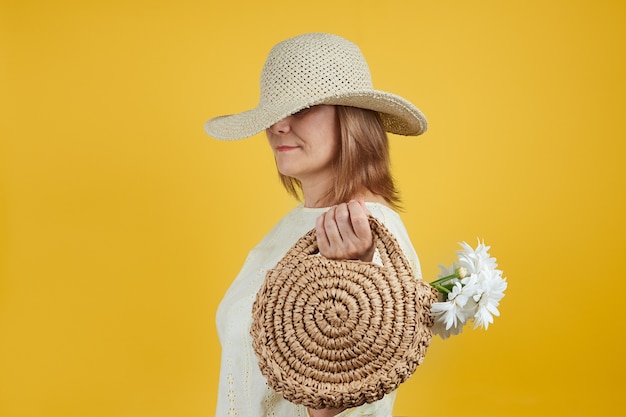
column 341, row 333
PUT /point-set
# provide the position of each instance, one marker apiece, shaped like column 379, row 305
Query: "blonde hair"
column 362, row 162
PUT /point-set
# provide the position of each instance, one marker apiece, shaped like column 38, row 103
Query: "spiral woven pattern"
column 341, row 333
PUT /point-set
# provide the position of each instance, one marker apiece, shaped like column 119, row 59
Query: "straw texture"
column 311, row 69
column 332, row 334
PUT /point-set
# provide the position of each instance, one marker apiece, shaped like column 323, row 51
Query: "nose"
column 282, row 126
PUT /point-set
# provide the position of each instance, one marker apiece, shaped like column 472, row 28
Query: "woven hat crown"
column 311, row 66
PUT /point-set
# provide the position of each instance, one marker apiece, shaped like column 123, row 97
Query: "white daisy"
column 492, row 291
column 469, row 290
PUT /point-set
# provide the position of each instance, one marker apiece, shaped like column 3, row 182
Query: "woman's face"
column 305, row 144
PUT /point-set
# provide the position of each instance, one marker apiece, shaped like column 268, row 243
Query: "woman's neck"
column 315, row 196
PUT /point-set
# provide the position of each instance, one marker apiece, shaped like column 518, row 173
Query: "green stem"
column 441, row 288
column 444, row 279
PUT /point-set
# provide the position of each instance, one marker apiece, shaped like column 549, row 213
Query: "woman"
column 327, row 128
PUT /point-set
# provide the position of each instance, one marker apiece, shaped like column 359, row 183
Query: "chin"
column 287, row 171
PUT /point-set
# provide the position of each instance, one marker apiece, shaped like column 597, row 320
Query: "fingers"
column 343, row 232
column 360, row 224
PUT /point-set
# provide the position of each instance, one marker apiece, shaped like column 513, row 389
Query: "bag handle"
column 391, row 254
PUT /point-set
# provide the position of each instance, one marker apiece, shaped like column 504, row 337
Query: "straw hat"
column 311, row 69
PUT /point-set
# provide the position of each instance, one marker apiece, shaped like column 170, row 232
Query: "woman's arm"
column 326, row 412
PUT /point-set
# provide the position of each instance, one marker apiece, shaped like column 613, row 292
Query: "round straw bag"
column 331, row 334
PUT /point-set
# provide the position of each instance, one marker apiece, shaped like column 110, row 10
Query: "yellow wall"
column 122, row 225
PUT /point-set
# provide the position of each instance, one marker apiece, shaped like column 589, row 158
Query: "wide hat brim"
column 399, row 116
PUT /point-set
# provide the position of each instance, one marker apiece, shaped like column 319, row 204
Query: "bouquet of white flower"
column 471, row 290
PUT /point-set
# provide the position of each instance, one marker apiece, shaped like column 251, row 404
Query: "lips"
column 285, row 148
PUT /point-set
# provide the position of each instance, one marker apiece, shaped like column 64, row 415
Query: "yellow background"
column 122, row 224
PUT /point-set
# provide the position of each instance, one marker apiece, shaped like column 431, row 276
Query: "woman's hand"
column 344, row 232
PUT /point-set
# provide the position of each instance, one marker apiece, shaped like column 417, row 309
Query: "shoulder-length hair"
column 362, row 162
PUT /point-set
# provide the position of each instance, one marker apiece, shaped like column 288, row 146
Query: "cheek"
column 330, row 152
column 334, row 148
column 334, row 144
